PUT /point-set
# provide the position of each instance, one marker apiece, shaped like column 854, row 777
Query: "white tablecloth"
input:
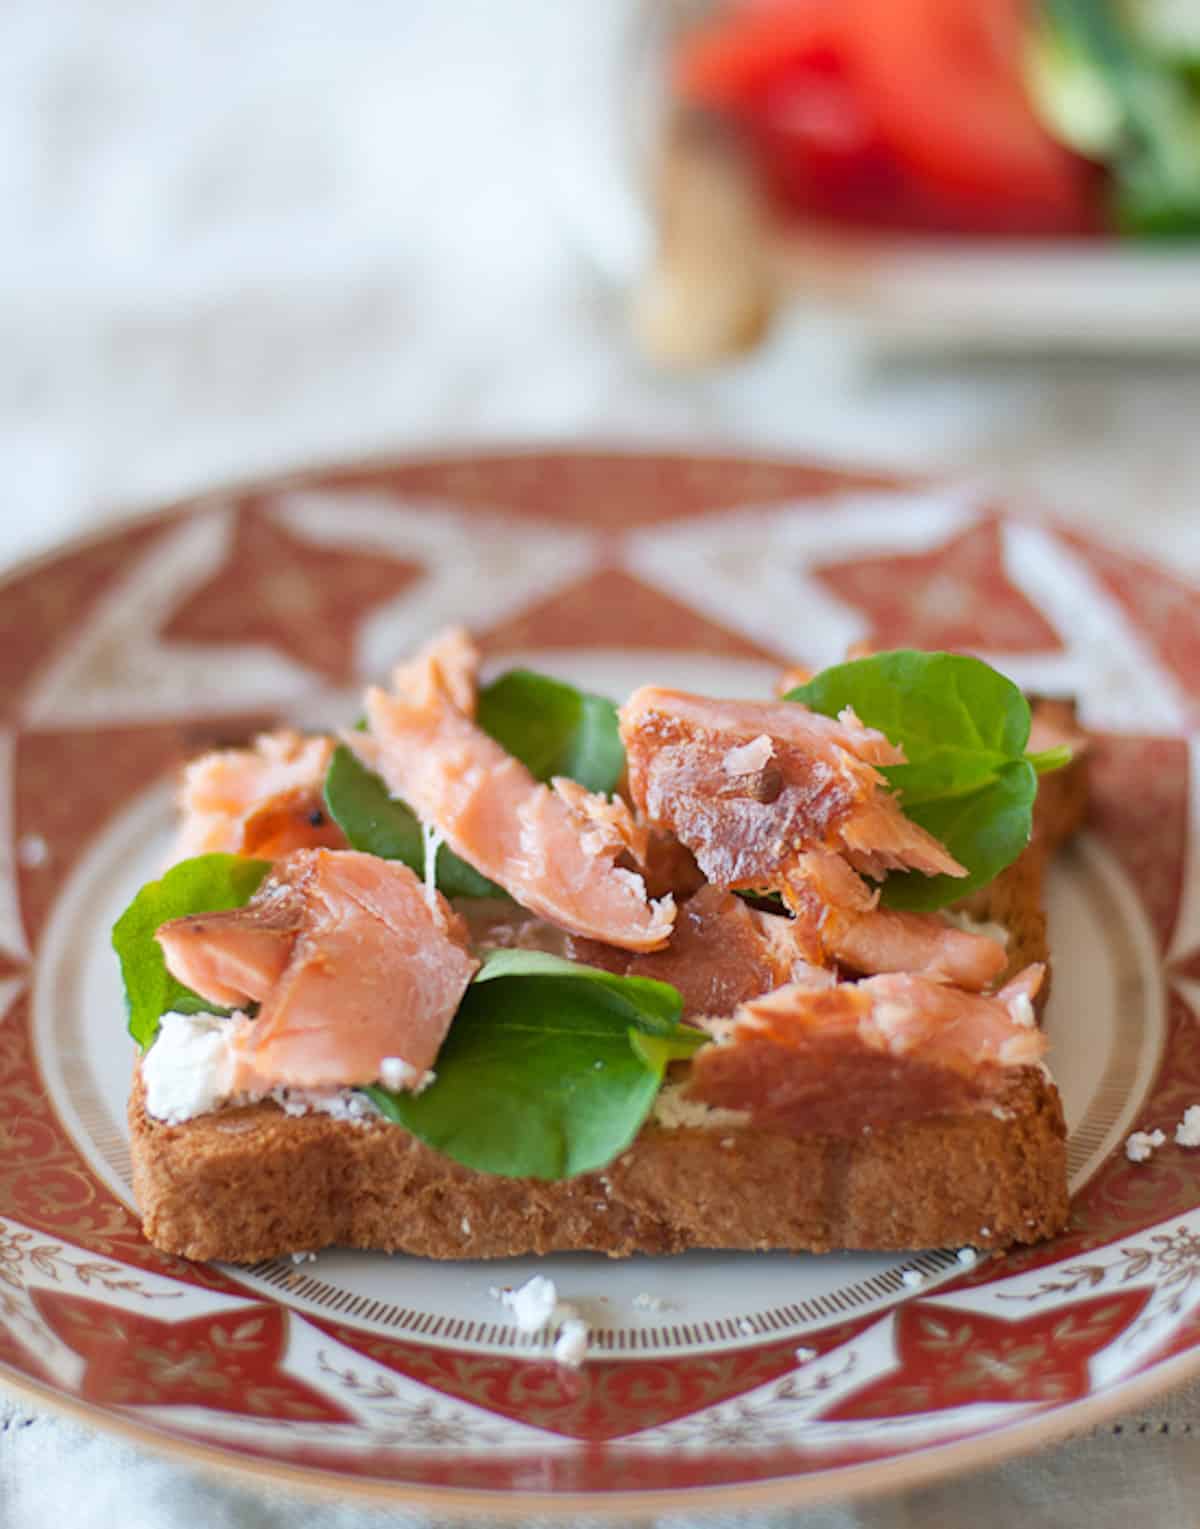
column 238, row 238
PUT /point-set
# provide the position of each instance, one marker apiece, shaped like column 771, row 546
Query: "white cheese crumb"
column 805, row 1354
column 466, row 1226
column 674, row 1110
column 532, row 1305
column 967, row 1257
column 32, row 851
column 304, row 1258
column 746, row 1326
column 647, row 1302
column 189, row 1069
column 339, row 1103
column 913, row 1278
column 571, row 1345
column 985, row 1231
column 398, row 1075
column 1187, row 1132
column 969, row 925
column 1141, row 1145
column 749, row 758
column 432, row 841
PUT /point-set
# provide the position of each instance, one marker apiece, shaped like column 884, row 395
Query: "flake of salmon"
column 820, row 788
column 447, row 666
column 265, row 800
column 352, row 969
column 841, row 914
column 607, row 827
column 723, row 952
column 496, row 817
column 900, row 1046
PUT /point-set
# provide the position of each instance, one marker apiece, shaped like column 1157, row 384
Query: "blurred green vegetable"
column 1102, row 87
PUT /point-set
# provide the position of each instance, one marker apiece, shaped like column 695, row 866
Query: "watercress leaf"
column 957, row 719
column 538, row 1077
column 657, row 1050
column 985, row 831
column 1049, row 760
column 205, row 884
column 374, row 821
column 963, row 728
column 645, row 1003
column 554, row 729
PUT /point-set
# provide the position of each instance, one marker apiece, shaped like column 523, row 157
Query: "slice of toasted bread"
column 251, row 1183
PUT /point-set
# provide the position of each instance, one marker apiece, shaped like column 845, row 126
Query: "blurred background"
column 241, row 238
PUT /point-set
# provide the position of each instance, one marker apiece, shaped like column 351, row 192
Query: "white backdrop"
column 238, row 236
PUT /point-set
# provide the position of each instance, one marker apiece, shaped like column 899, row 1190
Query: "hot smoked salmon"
column 747, row 784
column 554, row 850
column 840, row 1058
column 263, row 801
column 352, row 964
column 722, row 953
column 769, row 795
column 839, row 916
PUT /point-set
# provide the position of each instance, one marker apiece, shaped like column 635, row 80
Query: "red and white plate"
column 394, row 1378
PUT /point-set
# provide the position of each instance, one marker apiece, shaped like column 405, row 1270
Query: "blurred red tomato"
column 902, row 113
column 947, row 79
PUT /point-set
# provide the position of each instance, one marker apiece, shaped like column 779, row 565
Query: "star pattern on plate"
column 1188, row 965
column 955, row 596
column 949, row 1357
column 607, row 1399
column 1163, row 607
column 613, row 608
column 227, row 1360
column 281, row 591
column 54, row 596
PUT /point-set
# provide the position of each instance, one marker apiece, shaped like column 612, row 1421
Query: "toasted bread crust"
column 252, row 1183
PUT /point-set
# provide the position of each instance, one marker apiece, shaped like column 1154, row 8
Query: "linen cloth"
column 240, row 239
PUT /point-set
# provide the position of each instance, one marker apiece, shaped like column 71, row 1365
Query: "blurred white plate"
column 604, row 111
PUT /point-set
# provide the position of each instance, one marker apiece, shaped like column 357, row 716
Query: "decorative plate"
column 735, row 1379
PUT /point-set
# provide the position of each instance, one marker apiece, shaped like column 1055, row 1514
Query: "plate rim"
column 917, row 1468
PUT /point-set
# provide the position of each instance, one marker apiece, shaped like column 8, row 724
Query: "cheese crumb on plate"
column 1141, row 1145
column 1187, row 1132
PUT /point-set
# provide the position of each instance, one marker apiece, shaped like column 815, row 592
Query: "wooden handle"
column 709, row 293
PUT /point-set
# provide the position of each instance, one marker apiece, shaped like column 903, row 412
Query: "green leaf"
column 657, row 1050
column 206, row 884
column 641, row 1001
column 376, row 823
column 1150, row 144
column 554, row 729
column 963, row 728
column 985, row 831
column 956, row 718
column 539, row 1077
column 1053, row 759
